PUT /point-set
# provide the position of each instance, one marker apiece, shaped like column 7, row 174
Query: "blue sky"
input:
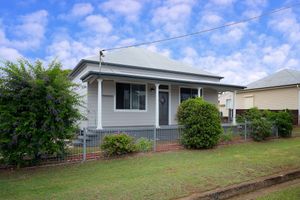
column 71, row 30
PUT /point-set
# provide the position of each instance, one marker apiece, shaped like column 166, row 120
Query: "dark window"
column 130, row 96
column 164, row 87
column 186, row 93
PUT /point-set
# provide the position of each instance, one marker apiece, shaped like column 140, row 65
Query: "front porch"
column 134, row 102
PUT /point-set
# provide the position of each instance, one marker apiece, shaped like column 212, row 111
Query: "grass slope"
column 153, row 176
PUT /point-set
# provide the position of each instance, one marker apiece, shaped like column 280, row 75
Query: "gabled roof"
column 280, row 78
column 143, row 58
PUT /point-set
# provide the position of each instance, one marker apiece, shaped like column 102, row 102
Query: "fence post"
column 154, row 139
column 84, row 145
column 245, row 137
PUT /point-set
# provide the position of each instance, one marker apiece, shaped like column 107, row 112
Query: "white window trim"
column 193, row 87
column 130, row 110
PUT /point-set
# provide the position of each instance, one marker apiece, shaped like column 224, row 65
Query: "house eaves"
column 165, row 79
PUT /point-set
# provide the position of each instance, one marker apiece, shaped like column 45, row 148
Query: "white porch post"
column 199, row 92
column 234, row 107
column 99, row 113
column 157, row 105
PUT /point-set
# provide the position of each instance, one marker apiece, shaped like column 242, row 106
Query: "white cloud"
column 69, row 52
column 10, row 54
column 276, row 57
column 128, row 8
column 287, row 24
column 212, row 18
column 82, row 9
column 173, row 16
column 97, row 23
column 239, row 67
column 223, row 2
column 31, row 31
column 78, row 10
column 229, row 36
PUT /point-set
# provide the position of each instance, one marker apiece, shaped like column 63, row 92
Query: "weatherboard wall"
column 116, row 118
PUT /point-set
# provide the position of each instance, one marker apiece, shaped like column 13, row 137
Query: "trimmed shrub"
column 202, row 123
column 118, row 144
column 143, row 145
column 261, row 129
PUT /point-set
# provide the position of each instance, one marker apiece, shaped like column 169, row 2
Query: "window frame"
column 130, row 110
column 186, row 87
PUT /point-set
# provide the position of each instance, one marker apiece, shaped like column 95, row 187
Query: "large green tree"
column 38, row 111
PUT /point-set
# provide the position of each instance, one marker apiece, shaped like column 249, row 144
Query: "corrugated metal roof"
column 280, row 78
column 144, row 58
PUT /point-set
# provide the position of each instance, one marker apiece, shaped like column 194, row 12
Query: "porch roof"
column 217, row 85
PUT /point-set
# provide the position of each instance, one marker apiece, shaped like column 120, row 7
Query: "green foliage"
column 38, row 111
column 227, row 136
column 261, row 129
column 250, row 115
column 118, row 144
column 144, row 145
column 283, row 120
column 202, row 123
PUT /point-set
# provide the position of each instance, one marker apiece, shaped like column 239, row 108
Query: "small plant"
column 118, row 144
column 144, row 145
column 261, row 129
column 227, row 136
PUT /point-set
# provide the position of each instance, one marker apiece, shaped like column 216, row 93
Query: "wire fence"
column 86, row 144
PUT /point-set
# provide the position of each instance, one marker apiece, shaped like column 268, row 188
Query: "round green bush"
column 117, row 144
column 261, row 129
column 202, row 123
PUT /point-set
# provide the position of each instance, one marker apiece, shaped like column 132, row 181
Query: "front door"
column 163, row 108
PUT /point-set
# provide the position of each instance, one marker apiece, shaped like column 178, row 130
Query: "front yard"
column 153, row 176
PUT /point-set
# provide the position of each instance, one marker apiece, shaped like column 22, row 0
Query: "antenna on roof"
column 100, row 59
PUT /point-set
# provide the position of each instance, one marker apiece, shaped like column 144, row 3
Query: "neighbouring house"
column 275, row 92
column 137, row 87
column 226, row 106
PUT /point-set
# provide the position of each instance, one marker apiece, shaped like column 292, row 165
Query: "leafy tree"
column 38, row 111
column 202, row 123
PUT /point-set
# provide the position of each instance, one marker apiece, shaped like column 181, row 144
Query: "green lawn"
column 296, row 131
column 291, row 193
column 153, row 176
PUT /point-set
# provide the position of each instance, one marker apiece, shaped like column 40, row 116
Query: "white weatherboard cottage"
column 135, row 87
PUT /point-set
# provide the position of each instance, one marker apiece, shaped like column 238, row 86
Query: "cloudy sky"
column 71, row 30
